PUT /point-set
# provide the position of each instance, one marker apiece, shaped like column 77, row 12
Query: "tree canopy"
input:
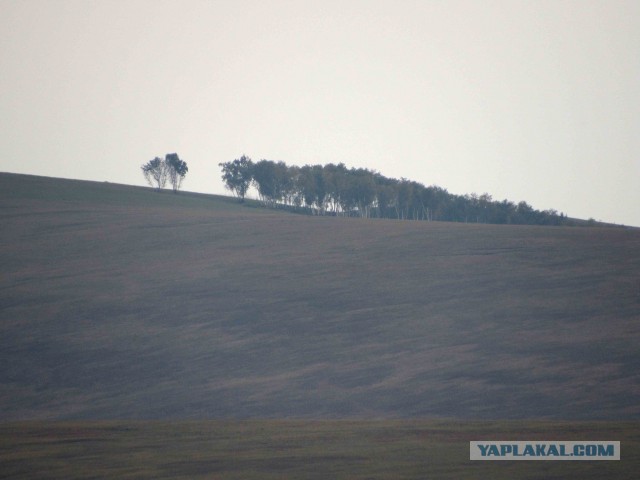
column 238, row 175
column 157, row 171
column 177, row 170
column 337, row 190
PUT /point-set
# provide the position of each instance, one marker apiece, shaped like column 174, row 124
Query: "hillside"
column 119, row 302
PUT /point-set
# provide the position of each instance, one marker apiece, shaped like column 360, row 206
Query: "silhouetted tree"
column 338, row 190
column 404, row 198
column 335, row 182
column 155, row 173
column 270, row 180
column 238, row 175
column 385, row 195
column 285, row 189
column 362, row 190
column 158, row 171
column 312, row 188
column 177, row 169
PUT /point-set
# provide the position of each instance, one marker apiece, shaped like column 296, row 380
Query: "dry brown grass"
column 119, row 302
column 260, row 449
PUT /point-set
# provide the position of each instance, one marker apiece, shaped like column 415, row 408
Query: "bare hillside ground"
column 119, row 302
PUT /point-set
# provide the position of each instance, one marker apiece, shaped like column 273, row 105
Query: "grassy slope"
column 382, row 450
column 119, row 302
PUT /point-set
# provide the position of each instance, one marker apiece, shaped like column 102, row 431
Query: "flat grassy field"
column 293, row 449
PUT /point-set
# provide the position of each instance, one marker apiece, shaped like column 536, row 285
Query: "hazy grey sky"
column 526, row 100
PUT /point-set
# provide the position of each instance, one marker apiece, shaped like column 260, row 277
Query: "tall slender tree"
column 238, row 175
column 155, row 173
column 177, row 169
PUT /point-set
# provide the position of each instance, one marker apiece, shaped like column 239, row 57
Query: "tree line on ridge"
column 334, row 189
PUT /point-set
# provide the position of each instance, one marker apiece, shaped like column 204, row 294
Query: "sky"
column 525, row 100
